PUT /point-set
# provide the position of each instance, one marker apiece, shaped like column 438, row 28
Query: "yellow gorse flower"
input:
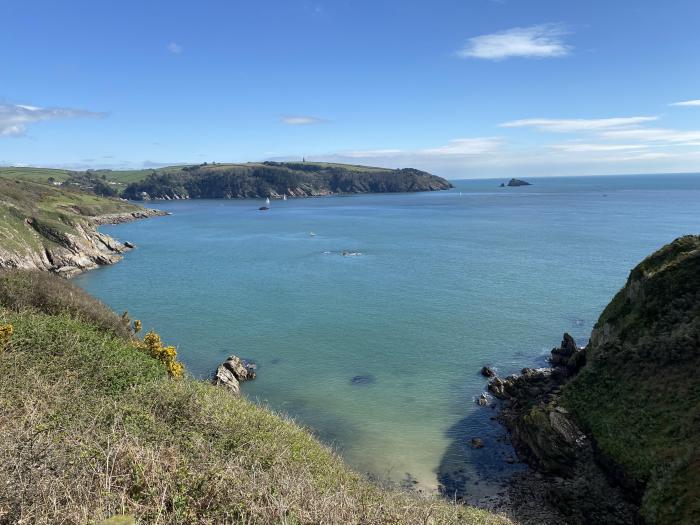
column 165, row 354
column 6, row 331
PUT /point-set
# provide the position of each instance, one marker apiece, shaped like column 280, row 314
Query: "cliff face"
column 48, row 229
column 639, row 393
column 273, row 179
column 615, row 426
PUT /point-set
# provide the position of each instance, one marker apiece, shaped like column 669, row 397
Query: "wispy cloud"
column 673, row 136
column 174, row 48
column 15, row 118
column 687, row 103
column 470, row 146
column 582, row 147
column 302, row 120
column 574, row 125
column 539, row 41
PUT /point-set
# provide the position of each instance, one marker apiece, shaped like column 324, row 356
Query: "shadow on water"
column 477, row 475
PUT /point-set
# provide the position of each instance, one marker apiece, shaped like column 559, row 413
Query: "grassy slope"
column 639, row 394
column 91, row 427
column 51, row 207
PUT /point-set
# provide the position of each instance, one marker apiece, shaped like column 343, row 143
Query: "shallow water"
column 446, row 282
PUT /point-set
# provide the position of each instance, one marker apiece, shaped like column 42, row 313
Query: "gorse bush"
column 165, row 354
column 92, row 427
column 6, row 331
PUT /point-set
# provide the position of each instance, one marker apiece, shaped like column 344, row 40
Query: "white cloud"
column 691, row 138
column 687, row 103
column 302, row 120
column 372, row 153
column 539, row 41
column 471, row 146
column 572, row 125
column 174, row 48
column 581, row 147
column 14, row 118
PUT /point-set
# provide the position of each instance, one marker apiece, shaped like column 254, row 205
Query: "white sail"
column 267, row 201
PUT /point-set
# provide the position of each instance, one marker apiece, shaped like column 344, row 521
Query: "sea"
column 370, row 316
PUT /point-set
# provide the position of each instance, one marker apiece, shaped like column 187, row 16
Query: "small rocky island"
column 515, row 182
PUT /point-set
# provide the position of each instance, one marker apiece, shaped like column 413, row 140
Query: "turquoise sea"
column 379, row 352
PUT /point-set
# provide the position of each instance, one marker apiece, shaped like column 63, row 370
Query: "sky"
column 461, row 88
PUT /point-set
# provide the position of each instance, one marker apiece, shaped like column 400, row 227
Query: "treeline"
column 273, row 178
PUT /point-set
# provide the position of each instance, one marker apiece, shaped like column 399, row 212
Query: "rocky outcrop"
column 232, row 372
column 71, row 249
column 517, row 182
column 547, row 437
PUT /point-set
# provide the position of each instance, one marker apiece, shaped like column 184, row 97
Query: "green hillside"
column 92, row 427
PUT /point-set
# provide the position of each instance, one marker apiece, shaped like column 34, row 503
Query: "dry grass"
column 22, row 290
column 91, row 427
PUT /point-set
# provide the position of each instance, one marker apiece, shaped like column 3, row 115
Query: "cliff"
column 47, row 228
column 275, row 179
column 615, row 426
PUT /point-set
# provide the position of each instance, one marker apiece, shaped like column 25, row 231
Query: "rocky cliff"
column 51, row 229
column 615, row 426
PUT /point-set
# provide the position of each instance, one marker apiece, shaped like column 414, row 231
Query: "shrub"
column 5, row 335
column 50, row 294
column 165, row 354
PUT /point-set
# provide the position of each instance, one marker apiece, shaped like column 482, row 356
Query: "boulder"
column 232, row 371
column 497, row 388
column 224, row 377
column 487, row 371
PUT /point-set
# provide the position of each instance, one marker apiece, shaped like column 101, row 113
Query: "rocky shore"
column 569, row 481
column 75, row 248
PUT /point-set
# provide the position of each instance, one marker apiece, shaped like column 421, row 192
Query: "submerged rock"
column 476, row 443
column 362, row 380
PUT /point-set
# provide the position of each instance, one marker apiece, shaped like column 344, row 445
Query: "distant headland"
column 274, row 180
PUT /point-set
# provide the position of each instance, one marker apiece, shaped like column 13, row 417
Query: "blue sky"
column 470, row 88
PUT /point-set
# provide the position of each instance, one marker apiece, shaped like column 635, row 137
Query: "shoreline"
column 79, row 248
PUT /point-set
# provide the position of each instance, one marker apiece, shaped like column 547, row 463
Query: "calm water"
column 446, row 283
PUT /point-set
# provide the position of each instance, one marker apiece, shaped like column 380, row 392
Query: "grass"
column 35, row 215
column 639, row 394
column 92, row 428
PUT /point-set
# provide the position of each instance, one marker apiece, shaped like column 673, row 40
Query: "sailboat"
column 267, row 201
column 284, row 197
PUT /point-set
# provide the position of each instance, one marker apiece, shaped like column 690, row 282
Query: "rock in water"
column 487, row 371
column 232, row 371
column 518, row 182
column 477, row 443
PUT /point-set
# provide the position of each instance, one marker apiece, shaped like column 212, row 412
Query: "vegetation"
column 639, row 393
column 37, row 217
column 256, row 180
column 92, row 427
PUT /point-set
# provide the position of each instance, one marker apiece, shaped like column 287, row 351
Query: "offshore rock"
column 232, row 372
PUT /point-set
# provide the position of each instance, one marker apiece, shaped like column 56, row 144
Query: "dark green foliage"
column 269, row 178
column 47, row 293
column 639, row 393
